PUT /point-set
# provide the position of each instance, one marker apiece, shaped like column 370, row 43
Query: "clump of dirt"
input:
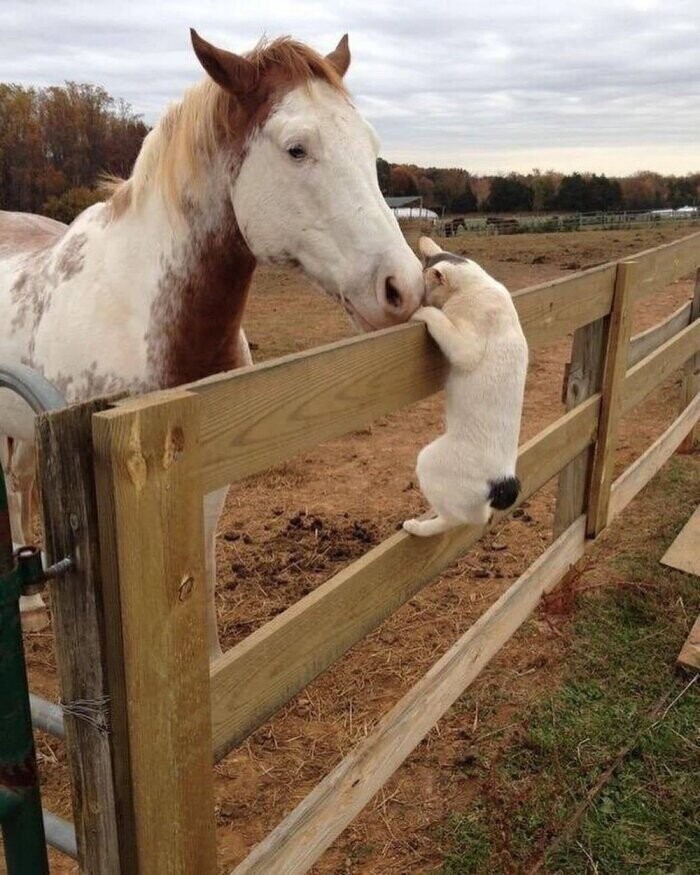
column 287, row 559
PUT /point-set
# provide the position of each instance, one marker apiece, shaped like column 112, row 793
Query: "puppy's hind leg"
column 427, row 528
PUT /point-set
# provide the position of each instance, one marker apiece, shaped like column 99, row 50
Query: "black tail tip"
column 504, row 492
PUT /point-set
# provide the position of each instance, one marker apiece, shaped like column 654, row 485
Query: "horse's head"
column 303, row 182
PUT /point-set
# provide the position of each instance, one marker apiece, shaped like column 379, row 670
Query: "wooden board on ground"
column 690, row 652
column 684, row 552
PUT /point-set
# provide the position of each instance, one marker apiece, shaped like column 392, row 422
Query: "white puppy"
column 470, row 470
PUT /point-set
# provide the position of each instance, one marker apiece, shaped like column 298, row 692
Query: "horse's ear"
column 428, row 247
column 232, row 72
column 340, row 56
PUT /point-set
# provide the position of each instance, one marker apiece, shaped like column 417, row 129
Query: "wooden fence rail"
column 273, row 664
column 157, row 455
column 295, row 845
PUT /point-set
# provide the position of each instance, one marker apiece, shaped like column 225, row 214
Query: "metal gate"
column 25, row 828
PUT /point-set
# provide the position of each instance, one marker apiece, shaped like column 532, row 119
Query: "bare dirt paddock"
column 286, row 531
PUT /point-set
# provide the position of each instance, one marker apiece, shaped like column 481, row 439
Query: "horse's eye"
column 296, row 152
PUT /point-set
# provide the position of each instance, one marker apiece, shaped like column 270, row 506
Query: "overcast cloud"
column 603, row 85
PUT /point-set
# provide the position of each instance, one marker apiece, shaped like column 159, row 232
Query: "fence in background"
column 528, row 224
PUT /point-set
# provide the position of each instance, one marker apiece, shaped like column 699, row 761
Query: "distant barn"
column 410, row 207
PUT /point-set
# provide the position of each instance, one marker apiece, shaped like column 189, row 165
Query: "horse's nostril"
column 392, row 294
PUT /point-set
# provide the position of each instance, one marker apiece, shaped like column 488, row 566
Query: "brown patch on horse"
column 43, row 270
column 197, row 314
column 71, row 258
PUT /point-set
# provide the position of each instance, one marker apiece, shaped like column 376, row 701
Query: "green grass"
column 619, row 665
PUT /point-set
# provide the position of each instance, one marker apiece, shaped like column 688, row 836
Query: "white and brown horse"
column 266, row 160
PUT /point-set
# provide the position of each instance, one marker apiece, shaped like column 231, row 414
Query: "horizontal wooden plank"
column 689, row 657
column 651, row 371
column 644, row 343
column 665, row 264
column 264, row 671
column 256, row 677
column 301, row 838
column 684, row 552
column 556, row 308
column 636, row 477
column 263, row 415
column 257, row 417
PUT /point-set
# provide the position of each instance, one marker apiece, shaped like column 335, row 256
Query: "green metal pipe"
column 20, row 802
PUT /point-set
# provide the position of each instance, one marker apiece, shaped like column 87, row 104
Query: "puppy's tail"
column 504, row 492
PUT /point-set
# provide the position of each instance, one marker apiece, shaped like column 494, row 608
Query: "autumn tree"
column 56, row 139
column 643, row 191
column 403, row 181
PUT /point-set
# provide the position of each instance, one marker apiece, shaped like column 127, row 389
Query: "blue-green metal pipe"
column 20, row 802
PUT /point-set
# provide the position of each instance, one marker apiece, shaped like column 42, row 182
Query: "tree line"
column 56, row 142
column 461, row 192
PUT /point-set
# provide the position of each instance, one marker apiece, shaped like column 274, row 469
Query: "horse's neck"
column 200, row 271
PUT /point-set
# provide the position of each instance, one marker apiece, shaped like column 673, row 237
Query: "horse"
column 265, row 161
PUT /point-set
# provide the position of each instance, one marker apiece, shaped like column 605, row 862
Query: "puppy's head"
column 440, row 272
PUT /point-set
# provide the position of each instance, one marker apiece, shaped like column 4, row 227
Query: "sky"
column 609, row 86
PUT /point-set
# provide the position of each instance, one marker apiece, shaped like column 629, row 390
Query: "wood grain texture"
column 259, row 675
column 690, row 652
column 263, row 415
column 614, row 373
column 650, row 372
column 640, row 472
column 665, row 264
column 69, row 514
column 260, row 416
column 312, row 826
column 149, row 494
column 301, row 838
column 691, row 378
column 644, row 343
column 684, row 552
column 257, row 417
column 583, row 379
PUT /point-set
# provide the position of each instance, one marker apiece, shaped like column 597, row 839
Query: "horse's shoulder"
column 26, row 232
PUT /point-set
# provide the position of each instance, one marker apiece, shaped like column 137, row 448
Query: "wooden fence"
column 123, row 482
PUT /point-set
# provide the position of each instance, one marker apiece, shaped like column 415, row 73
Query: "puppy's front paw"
column 412, row 526
column 422, row 314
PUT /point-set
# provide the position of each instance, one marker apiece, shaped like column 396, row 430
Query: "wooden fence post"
column 582, row 379
column 614, row 373
column 691, row 377
column 67, row 486
column 148, row 480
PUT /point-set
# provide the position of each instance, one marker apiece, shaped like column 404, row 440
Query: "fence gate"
column 26, row 828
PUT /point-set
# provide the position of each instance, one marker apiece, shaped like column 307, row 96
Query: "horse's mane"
column 188, row 135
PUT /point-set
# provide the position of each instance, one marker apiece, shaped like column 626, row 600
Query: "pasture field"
column 287, row 530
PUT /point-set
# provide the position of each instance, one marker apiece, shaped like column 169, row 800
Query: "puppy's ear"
column 435, row 276
column 428, row 248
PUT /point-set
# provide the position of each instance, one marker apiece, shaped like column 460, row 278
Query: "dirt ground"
column 286, row 531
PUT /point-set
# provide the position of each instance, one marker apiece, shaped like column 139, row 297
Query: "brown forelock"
column 282, row 64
